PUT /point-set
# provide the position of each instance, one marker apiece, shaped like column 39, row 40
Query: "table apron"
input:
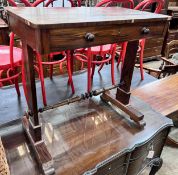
column 59, row 39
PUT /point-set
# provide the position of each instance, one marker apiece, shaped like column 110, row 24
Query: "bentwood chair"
column 26, row 3
column 50, row 57
column 144, row 6
column 77, row 4
column 169, row 64
column 10, row 64
column 100, row 55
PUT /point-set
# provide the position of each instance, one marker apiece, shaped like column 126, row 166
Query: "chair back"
column 28, row 4
column 78, row 3
column 171, row 48
column 155, row 5
column 108, row 3
column 123, row 3
column 12, row 3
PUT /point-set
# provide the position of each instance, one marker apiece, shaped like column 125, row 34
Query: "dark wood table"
column 55, row 29
column 165, row 102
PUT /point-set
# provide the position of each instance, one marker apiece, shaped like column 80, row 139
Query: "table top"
column 161, row 95
column 80, row 16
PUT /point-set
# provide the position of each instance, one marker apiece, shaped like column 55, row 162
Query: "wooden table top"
column 81, row 16
column 161, row 95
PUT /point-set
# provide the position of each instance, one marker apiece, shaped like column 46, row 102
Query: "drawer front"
column 77, row 38
column 152, row 52
column 153, row 42
column 117, row 166
column 139, row 158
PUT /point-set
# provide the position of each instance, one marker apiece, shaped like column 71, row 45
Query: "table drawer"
column 98, row 35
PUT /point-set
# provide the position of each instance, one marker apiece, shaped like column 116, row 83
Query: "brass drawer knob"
column 145, row 30
column 89, row 37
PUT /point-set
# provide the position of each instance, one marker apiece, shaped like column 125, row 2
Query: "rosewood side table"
column 55, row 29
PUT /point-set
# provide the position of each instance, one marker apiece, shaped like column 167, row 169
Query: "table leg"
column 30, row 122
column 123, row 92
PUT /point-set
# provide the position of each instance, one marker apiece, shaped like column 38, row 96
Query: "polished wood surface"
column 113, row 25
column 90, row 135
column 161, row 95
column 80, row 16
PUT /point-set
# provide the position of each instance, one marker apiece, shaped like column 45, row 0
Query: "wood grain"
column 161, row 95
column 80, row 16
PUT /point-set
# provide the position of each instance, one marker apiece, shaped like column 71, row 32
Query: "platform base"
column 42, row 155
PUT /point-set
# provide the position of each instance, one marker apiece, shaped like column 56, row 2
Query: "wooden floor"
column 12, row 107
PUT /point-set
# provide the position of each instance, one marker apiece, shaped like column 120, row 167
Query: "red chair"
column 27, row 4
column 39, row 64
column 71, row 2
column 34, row 4
column 10, row 61
column 144, row 5
column 90, row 56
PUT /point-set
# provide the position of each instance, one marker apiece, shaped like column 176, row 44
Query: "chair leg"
column 51, row 71
column 17, row 86
column 41, row 75
column 70, row 81
column 1, row 84
column 141, row 67
column 141, row 58
column 93, row 70
column 61, row 68
column 50, row 57
column 102, row 64
column 72, row 61
column 119, row 59
column 123, row 52
column 89, row 70
column 112, row 65
column 24, row 81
